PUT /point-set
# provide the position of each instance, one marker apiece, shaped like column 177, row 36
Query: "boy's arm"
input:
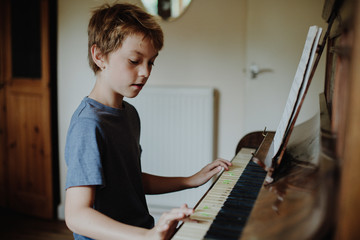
column 82, row 219
column 157, row 184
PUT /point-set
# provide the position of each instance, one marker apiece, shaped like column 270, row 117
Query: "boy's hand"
column 208, row 172
column 168, row 222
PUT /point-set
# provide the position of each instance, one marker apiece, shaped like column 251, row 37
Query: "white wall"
column 204, row 47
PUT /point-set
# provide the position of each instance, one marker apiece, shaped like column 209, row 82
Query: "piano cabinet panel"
column 295, row 205
column 348, row 216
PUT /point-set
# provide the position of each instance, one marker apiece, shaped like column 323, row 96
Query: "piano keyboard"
column 223, row 211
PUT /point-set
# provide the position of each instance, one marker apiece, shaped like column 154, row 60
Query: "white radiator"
column 177, row 137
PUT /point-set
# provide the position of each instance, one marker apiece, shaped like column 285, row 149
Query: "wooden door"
column 28, row 160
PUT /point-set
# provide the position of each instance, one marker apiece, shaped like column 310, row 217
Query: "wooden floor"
column 21, row 227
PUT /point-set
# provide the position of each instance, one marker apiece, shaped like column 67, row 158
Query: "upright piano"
column 314, row 191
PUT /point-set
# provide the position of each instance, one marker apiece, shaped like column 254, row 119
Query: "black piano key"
column 232, row 217
column 216, row 236
column 228, row 211
column 235, row 204
column 245, row 194
column 231, row 228
column 244, row 187
column 238, row 219
column 221, row 231
column 240, row 193
column 250, row 178
column 250, row 181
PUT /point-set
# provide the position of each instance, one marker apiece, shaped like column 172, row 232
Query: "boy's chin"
column 132, row 95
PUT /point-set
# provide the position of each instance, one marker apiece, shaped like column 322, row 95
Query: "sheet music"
column 299, row 85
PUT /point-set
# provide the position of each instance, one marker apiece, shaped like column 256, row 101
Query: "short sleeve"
column 83, row 154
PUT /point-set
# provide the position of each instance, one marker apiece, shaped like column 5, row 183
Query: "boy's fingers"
column 223, row 163
column 184, row 206
column 176, row 214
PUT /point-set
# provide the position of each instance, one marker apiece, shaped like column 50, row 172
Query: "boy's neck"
column 102, row 96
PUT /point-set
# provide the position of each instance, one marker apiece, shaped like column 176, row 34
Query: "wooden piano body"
column 315, row 191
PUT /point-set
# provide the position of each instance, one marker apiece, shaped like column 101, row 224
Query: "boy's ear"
column 97, row 56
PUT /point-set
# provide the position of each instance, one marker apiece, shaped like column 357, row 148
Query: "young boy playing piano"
column 105, row 188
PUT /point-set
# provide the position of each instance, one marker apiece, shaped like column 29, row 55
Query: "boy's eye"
column 134, row 62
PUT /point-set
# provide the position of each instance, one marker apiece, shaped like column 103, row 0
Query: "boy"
column 105, row 188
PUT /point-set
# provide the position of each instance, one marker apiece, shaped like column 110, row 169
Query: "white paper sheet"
column 298, row 87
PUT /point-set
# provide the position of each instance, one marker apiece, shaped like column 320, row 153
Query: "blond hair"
column 110, row 25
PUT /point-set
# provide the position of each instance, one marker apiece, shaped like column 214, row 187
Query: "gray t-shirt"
column 103, row 149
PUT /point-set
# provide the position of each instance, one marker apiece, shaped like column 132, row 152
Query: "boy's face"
column 128, row 68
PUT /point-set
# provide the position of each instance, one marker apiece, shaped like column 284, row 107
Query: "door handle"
column 255, row 70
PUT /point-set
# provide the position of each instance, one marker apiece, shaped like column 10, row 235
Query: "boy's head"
column 110, row 25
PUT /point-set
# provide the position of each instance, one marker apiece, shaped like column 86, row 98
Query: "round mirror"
column 166, row 9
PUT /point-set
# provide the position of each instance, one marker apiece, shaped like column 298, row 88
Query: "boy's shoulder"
column 86, row 110
column 93, row 110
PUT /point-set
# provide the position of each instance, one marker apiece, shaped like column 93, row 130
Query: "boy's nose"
column 145, row 70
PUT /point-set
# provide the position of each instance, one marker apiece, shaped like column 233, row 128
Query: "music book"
column 297, row 93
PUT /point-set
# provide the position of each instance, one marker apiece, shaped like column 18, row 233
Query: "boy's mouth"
column 139, row 86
